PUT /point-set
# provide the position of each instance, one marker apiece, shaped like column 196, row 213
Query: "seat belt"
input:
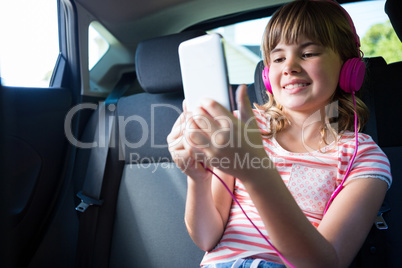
column 90, row 195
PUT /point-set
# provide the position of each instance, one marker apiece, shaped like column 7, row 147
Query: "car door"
column 35, row 153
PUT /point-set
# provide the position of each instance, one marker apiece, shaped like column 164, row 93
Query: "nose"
column 291, row 66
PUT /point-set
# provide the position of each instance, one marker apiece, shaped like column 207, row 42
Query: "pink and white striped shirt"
column 310, row 177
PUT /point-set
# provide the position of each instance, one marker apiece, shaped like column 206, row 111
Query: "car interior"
column 86, row 176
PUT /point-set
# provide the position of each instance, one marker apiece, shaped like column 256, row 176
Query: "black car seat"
column 389, row 131
column 387, row 94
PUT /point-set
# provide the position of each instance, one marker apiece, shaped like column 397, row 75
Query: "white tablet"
column 204, row 71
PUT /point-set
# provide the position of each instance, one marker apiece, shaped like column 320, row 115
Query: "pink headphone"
column 352, row 72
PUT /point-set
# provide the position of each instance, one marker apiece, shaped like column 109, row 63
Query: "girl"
column 283, row 160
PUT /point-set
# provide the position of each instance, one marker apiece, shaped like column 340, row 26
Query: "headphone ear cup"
column 352, row 75
column 265, row 78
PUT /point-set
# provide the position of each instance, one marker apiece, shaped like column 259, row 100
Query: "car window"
column 243, row 40
column 29, row 42
column 242, row 48
column 97, row 45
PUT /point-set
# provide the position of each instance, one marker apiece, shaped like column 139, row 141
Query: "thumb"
column 246, row 115
column 243, row 104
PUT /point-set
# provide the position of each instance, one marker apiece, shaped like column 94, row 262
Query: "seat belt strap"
column 90, row 194
column 90, row 251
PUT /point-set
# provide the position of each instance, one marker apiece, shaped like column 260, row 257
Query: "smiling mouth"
column 292, row 86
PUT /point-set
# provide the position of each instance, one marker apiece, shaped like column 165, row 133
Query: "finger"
column 213, row 107
column 188, row 164
column 243, row 103
column 176, row 145
column 197, row 138
column 181, row 158
column 193, row 152
column 216, row 112
column 177, row 129
column 184, row 105
column 246, row 113
column 247, row 116
column 205, row 122
column 180, row 120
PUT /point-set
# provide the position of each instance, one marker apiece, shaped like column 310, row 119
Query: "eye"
column 309, row 55
column 278, row 60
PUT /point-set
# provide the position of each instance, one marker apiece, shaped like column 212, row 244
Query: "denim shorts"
column 246, row 263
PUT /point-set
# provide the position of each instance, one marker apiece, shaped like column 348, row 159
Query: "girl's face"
column 303, row 76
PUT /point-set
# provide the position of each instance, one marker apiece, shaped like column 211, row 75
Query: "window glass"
column 243, row 40
column 242, row 48
column 377, row 36
column 97, row 45
column 29, row 42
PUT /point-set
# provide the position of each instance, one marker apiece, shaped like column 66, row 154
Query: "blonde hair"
column 325, row 23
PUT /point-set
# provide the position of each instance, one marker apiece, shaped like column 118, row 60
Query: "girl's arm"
column 208, row 202
column 207, row 209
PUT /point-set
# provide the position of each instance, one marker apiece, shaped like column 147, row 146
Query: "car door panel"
column 34, row 155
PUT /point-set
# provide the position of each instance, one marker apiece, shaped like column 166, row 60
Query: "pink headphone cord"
column 334, row 194
column 245, row 214
column 339, row 188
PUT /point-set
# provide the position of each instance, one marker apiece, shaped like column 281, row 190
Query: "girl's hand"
column 223, row 141
column 178, row 149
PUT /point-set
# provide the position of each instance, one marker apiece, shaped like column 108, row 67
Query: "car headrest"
column 157, row 62
column 260, row 89
column 393, row 8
